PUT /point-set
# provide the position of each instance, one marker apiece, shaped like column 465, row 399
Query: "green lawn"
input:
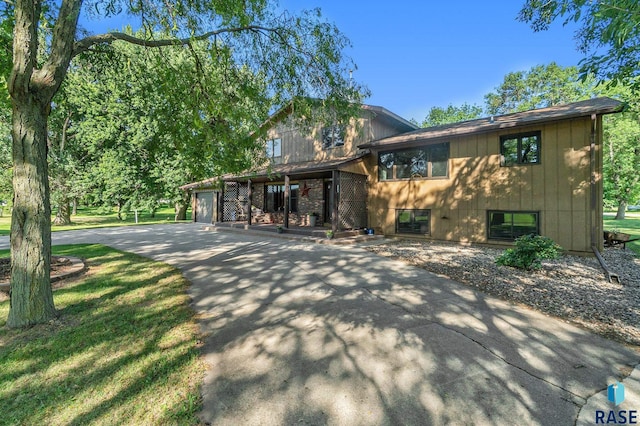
column 123, row 351
column 630, row 225
column 99, row 218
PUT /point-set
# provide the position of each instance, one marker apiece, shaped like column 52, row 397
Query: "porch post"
column 249, row 201
column 286, row 201
column 193, row 206
column 335, row 179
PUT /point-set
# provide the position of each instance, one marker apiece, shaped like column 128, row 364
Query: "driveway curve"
column 303, row 333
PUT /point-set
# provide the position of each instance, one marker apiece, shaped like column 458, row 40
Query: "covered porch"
column 289, row 196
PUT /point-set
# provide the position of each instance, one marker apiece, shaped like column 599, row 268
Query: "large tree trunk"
column 622, row 207
column 31, row 295
column 63, row 215
column 31, row 88
column 181, row 207
column 181, row 211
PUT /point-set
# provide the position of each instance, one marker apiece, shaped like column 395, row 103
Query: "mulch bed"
column 59, row 265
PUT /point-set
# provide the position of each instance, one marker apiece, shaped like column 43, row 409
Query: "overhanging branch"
column 86, row 43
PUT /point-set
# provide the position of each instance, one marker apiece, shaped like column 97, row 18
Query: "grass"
column 92, row 217
column 123, row 350
column 629, row 225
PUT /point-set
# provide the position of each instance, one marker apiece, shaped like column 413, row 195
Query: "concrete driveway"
column 300, row 333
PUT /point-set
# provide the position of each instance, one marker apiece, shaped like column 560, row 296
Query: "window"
column 426, row 162
column 332, row 136
column 274, row 148
column 520, row 149
column 413, row 222
column 274, row 198
column 509, row 225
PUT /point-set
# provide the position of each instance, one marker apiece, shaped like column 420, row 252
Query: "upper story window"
column 274, row 148
column 523, row 148
column 425, row 162
column 332, row 136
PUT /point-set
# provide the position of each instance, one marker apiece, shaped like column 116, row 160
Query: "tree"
column 6, row 189
column 451, row 114
column 621, row 160
column 541, row 86
column 182, row 116
column 297, row 55
column 609, row 34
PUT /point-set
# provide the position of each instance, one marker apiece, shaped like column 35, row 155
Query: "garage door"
column 204, row 207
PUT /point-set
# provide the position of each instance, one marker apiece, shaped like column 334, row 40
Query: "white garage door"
column 204, row 207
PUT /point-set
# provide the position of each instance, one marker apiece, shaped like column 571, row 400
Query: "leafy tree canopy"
column 541, row 86
column 609, row 34
column 451, row 114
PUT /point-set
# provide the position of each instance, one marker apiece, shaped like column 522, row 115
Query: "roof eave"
column 496, row 125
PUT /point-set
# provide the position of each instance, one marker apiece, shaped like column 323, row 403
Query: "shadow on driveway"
column 314, row 334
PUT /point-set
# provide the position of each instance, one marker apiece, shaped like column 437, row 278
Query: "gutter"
column 611, row 276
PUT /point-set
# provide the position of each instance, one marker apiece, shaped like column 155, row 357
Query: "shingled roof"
column 278, row 170
column 586, row 108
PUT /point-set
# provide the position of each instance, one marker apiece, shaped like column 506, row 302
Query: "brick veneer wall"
column 257, row 196
column 314, row 201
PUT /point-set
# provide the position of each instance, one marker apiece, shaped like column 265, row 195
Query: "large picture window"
column 413, row 222
column 274, row 198
column 509, row 225
column 274, row 148
column 520, row 149
column 332, row 136
column 425, row 162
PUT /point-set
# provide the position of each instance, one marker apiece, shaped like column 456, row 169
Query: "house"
column 321, row 171
column 481, row 181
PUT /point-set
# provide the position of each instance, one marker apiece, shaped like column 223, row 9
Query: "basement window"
column 509, row 225
column 413, row 222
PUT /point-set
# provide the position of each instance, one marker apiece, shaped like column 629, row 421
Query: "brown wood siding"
column 300, row 147
column 558, row 187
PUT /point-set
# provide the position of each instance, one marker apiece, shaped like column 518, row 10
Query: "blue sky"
column 414, row 55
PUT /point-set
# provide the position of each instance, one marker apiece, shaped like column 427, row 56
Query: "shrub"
column 529, row 252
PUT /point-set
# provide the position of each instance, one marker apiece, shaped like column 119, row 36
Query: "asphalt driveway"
column 301, row 333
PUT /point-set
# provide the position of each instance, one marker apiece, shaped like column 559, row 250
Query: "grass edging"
column 124, row 349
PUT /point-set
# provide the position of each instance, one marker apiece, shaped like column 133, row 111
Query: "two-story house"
column 482, row 181
column 320, row 171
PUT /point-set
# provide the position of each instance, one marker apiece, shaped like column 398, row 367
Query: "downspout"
column 594, row 204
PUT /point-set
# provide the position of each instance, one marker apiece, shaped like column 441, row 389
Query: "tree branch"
column 107, row 38
column 54, row 70
column 25, row 47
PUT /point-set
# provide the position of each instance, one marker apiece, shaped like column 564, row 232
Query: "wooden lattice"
column 235, row 202
column 352, row 204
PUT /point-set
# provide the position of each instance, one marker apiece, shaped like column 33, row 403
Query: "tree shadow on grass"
column 119, row 352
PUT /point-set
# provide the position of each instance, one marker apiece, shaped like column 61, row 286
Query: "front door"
column 328, row 201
